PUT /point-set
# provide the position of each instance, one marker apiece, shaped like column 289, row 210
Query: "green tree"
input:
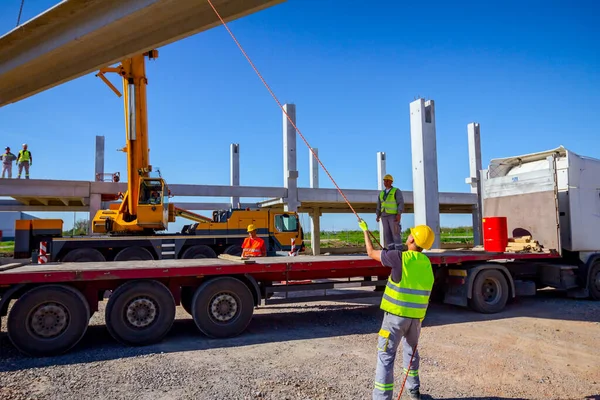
column 80, row 228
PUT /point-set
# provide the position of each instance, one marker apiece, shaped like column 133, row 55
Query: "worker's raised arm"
column 374, row 254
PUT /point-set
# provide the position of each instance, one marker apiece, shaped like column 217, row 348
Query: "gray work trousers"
column 394, row 330
column 23, row 164
column 392, row 234
column 7, row 168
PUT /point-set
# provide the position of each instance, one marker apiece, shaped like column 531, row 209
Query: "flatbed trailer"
column 55, row 301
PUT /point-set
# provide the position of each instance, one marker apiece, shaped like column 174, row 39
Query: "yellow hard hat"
column 423, row 235
column 251, row 228
column 388, row 177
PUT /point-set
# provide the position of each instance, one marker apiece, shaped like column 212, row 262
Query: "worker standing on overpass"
column 7, row 160
column 404, row 303
column 390, row 206
column 25, row 160
column 253, row 246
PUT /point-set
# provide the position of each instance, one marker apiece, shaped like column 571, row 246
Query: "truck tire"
column 199, row 251
column 134, row 253
column 140, row 312
column 222, row 307
column 48, row 320
column 594, row 281
column 234, row 250
column 490, row 292
column 83, row 255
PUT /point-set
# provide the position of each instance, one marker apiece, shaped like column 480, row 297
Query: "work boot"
column 414, row 394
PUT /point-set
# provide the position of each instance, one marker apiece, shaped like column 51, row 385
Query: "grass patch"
column 7, row 247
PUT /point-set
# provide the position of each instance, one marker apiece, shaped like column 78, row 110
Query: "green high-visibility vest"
column 389, row 205
column 410, row 297
column 24, row 155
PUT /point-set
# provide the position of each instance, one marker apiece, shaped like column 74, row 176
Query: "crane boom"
column 144, row 207
column 136, row 121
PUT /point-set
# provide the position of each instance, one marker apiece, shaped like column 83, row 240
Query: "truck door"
column 285, row 228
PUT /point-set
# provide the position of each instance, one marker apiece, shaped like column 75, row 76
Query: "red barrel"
column 495, row 234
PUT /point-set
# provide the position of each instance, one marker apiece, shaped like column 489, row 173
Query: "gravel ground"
column 546, row 347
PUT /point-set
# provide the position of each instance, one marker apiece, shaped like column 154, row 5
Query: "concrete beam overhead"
column 77, row 37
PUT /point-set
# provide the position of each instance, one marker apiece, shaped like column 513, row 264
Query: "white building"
column 7, row 223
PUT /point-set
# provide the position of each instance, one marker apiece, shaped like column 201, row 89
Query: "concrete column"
column 313, row 166
column 290, row 171
column 99, row 171
column 234, row 171
column 475, row 178
column 381, row 171
column 424, row 165
column 95, row 206
column 315, row 236
column 315, row 216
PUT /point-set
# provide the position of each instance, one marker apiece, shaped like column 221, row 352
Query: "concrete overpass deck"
column 67, row 195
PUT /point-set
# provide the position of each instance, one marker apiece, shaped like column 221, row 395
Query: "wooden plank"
column 6, row 267
column 229, row 257
column 523, row 239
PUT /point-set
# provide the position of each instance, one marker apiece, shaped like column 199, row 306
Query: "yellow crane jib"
column 144, row 208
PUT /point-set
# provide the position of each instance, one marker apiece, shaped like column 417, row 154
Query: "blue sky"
column 528, row 72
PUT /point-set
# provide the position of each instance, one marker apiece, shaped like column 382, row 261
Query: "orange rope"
column 288, row 117
column 407, row 371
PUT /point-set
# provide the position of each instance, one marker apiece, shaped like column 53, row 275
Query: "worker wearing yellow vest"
column 25, row 160
column 404, row 303
column 390, row 206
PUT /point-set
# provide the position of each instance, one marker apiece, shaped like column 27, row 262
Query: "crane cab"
column 153, row 205
column 152, row 210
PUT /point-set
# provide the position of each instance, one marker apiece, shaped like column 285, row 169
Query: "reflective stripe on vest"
column 252, row 247
column 24, row 155
column 389, row 205
column 410, row 297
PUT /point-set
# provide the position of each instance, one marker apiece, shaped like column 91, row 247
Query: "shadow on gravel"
column 292, row 322
column 98, row 345
column 548, row 304
column 428, row 397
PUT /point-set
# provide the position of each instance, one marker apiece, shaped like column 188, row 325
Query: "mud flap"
column 456, row 288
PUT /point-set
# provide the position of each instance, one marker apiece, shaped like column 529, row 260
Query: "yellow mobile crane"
column 132, row 225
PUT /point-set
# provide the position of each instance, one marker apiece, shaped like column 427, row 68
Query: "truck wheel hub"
column 223, row 307
column 491, row 290
column 49, row 320
column 141, row 312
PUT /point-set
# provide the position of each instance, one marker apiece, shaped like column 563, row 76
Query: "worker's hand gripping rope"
column 362, row 224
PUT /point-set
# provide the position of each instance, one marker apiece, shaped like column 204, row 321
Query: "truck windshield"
column 151, row 192
column 286, row 223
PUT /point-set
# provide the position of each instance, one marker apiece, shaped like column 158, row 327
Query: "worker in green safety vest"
column 390, row 206
column 25, row 160
column 404, row 303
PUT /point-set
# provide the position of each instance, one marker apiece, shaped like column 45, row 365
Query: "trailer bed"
column 268, row 268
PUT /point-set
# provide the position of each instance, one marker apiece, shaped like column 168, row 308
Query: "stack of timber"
column 244, row 260
column 523, row 244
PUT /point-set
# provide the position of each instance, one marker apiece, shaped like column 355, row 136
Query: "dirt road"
column 546, row 347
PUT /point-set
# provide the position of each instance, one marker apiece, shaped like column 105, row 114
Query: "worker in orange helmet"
column 253, row 246
column 404, row 302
